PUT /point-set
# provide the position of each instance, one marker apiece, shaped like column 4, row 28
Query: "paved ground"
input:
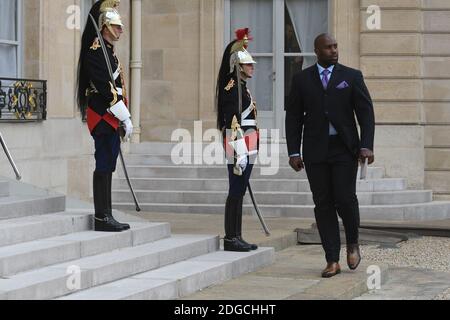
column 422, row 269
column 412, row 284
column 296, row 273
column 283, row 235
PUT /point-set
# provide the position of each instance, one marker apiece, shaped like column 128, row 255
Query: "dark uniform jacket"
column 102, row 94
column 229, row 100
column 311, row 108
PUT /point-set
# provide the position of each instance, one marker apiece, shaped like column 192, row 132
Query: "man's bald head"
column 326, row 49
column 322, row 38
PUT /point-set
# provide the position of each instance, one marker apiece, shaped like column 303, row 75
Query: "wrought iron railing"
column 23, row 100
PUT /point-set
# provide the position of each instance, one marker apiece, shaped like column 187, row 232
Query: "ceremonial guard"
column 103, row 103
column 237, row 120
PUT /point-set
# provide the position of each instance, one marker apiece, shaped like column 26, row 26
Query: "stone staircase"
column 162, row 186
column 50, row 252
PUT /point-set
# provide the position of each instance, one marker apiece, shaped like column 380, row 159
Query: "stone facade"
column 56, row 153
column 405, row 64
column 180, row 54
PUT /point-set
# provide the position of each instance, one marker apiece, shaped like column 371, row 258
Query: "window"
column 10, row 38
column 284, row 33
column 303, row 21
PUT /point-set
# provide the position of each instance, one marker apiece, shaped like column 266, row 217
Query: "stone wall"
column 436, row 82
column 31, row 39
column 391, row 62
column 180, row 63
column 179, row 56
column 56, row 153
column 406, row 63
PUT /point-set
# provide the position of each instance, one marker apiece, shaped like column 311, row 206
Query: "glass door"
column 299, row 22
column 258, row 15
column 284, row 33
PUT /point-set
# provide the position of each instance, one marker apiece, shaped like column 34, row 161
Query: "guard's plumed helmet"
column 109, row 15
column 234, row 55
column 239, row 53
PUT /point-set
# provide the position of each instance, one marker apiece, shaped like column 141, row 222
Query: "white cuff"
column 240, row 147
column 120, row 111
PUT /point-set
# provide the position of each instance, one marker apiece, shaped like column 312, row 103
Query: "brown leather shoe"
column 353, row 256
column 331, row 270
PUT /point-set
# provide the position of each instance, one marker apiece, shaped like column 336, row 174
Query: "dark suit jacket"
column 310, row 109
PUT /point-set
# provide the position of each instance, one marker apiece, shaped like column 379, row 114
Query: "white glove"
column 128, row 127
column 243, row 162
column 120, row 111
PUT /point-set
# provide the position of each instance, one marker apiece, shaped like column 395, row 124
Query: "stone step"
column 41, row 253
column 4, row 188
column 176, row 160
column 154, row 148
column 181, row 279
column 61, row 279
column 269, row 198
column 19, row 230
column 295, row 275
column 167, row 148
column 407, row 212
column 260, row 185
column 213, row 172
column 151, row 159
column 437, row 210
column 31, row 205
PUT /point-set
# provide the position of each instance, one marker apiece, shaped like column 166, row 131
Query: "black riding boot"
column 103, row 222
column 125, row 226
column 231, row 241
column 239, row 226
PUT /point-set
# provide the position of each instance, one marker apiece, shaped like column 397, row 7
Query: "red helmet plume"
column 243, row 35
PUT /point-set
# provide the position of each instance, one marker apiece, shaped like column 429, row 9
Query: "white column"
column 136, row 67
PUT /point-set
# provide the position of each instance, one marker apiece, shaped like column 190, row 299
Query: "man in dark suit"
column 320, row 114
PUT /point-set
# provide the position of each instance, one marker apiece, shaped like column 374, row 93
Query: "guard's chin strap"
column 243, row 74
column 246, row 76
column 113, row 33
